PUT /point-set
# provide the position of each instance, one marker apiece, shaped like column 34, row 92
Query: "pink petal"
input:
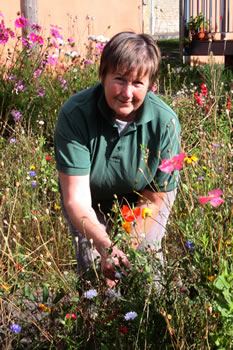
column 216, row 193
column 215, row 202
column 180, row 157
column 166, row 166
column 204, row 200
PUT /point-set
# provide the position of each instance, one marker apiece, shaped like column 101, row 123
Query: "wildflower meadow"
column 186, row 303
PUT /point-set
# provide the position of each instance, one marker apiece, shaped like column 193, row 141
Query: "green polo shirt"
column 87, row 141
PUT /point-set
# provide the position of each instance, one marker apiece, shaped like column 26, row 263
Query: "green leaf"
column 45, row 294
column 28, row 293
column 221, row 283
column 58, row 297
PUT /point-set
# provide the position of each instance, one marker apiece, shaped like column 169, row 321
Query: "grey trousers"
column 85, row 253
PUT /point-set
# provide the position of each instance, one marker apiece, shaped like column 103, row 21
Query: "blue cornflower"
column 130, row 315
column 189, row 245
column 32, row 173
column 90, row 294
column 33, row 183
column 15, row 328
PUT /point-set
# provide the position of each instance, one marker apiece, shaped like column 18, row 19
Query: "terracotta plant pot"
column 201, row 35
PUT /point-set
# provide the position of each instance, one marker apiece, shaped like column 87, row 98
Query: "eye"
column 119, row 78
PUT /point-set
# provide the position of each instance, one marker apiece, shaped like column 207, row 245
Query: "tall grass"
column 192, row 306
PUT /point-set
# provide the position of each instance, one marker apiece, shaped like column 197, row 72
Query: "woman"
column 110, row 140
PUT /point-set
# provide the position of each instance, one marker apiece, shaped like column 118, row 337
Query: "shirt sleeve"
column 170, row 146
column 71, row 145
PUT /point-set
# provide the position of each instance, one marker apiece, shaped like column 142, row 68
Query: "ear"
column 154, row 87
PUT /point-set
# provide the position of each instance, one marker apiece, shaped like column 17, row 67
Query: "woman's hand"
column 109, row 262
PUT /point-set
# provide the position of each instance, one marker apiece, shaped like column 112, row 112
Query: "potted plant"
column 196, row 26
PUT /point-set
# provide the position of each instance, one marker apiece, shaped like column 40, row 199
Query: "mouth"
column 128, row 102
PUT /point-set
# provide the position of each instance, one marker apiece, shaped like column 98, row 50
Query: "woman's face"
column 125, row 93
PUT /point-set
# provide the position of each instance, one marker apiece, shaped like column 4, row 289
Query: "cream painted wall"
column 79, row 18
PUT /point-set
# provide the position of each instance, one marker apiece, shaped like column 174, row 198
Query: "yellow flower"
column 192, row 159
column 204, row 167
column 32, row 167
column 146, row 212
column 45, row 308
column 57, row 207
column 126, row 226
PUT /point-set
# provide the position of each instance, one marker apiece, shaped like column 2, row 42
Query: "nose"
column 127, row 91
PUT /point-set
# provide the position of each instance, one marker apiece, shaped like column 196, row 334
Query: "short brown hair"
column 131, row 51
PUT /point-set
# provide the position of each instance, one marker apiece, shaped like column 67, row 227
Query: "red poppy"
column 47, row 157
column 130, row 215
column 123, row 330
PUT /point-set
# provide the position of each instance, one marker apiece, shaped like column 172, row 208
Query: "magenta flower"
column 175, row 163
column 40, row 40
column 99, row 46
column 55, row 33
column 33, row 37
column 36, row 27
column 21, row 22
column 213, row 197
column 4, row 35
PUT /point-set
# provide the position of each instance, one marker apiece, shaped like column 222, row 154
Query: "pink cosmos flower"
column 21, row 22
column 213, row 197
column 40, row 40
column 175, row 163
column 55, row 33
column 33, row 37
column 99, row 46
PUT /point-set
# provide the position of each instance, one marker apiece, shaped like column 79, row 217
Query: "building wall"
column 161, row 18
column 80, row 18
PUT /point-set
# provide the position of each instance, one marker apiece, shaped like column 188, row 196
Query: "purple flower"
column 33, row 183
column 200, row 178
column 11, row 77
column 216, row 145
column 40, row 91
column 41, row 122
column 16, row 114
column 63, row 83
column 32, row 173
column 130, row 315
column 15, row 328
column 189, row 245
column 37, row 72
column 12, row 140
column 92, row 293
column 19, row 86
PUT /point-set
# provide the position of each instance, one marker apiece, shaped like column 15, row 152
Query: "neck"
column 128, row 118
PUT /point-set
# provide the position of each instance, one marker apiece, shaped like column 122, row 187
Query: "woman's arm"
column 77, row 201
